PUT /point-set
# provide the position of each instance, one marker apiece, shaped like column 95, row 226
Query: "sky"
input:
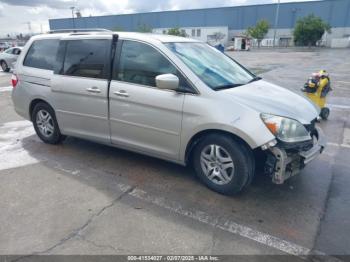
column 24, row 16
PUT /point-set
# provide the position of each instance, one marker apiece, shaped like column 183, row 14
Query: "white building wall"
column 204, row 34
column 336, row 33
column 284, row 37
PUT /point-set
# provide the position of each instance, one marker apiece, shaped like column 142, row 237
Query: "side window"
column 140, row 64
column 42, row 54
column 86, row 58
column 16, row 51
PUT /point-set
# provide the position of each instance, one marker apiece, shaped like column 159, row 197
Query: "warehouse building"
column 227, row 22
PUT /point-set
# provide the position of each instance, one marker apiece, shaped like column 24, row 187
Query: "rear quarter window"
column 42, row 54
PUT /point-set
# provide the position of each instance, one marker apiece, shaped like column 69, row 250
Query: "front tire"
column 4, row 66
column 223, row 164
column 45, row 124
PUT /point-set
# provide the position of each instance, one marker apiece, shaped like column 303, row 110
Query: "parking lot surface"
column 85, row 198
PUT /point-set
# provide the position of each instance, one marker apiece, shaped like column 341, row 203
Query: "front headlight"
column 286, row 129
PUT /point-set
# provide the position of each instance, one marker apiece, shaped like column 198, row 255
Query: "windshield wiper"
column 256, row 78
column 226, row 86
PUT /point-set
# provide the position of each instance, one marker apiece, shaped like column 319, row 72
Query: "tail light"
column 14, row 80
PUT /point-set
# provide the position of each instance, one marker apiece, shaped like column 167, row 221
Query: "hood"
column 268, row 98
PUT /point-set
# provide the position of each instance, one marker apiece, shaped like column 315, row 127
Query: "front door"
column 143, row 117
column 80, row 88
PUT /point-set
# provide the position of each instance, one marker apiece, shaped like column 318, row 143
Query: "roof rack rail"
column 80, row 30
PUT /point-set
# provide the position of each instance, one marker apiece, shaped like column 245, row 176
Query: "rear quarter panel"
column 33, row 84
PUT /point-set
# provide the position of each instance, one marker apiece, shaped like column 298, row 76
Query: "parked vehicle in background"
column 9, row 57
column 4, row 46
column 169, row 97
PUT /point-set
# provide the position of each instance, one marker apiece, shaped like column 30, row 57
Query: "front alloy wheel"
column 217, row 164
column 223, row 163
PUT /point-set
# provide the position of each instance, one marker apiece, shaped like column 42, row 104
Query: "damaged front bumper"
column 284, row 161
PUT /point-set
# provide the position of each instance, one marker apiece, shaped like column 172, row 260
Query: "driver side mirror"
column 167, row 81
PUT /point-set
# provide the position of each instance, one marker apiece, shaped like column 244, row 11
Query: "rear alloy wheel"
column 4, row 66
column 45, row 124
column 223, row 164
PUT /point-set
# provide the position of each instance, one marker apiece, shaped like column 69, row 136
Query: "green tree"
column 259, row 30
column 118, row 29
column 310, row 29
column 176, row 31
column 143, row 28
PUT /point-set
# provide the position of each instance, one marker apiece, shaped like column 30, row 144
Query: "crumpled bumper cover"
column 284, row 163
column 317, row 149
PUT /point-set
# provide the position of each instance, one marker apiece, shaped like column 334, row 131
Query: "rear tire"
column 45, row 124
column 4, row 66
column 223, row 164
column 325, row 113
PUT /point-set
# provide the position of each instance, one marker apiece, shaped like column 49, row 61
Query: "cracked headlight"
column 286, row 129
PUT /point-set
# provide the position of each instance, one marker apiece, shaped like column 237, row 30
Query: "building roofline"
column 197, row 9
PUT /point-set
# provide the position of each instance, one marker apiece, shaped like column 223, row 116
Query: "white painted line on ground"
column 228, row 226
column 342, row 88
column 12, row 152
column 73, row 172
column 346, row 137
column 2, row 73
column 332, row 144
column 338, row 145
column 6, row 88
column 232, row 227
column 335, row 106
column 344, row 82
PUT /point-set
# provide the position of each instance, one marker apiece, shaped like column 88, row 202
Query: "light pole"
column 72, row 8
column 276, row 22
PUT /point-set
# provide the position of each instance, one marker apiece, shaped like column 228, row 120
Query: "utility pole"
column 276, row 22
column 29, row 24
column 72, row 8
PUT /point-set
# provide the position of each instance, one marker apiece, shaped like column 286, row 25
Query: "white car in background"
column 4, row 46
column 8, row 58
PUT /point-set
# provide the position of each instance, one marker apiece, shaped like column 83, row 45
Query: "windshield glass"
column 214, row 68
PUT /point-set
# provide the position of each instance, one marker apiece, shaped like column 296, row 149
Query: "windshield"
column 214, row 68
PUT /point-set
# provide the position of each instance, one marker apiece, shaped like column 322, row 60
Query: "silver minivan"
column 169, row 97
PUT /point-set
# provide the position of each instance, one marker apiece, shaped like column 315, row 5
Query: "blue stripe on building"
column 336, row 12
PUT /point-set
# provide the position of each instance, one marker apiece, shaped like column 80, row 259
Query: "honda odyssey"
column 169, row 97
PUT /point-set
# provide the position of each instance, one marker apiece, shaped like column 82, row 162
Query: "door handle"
column 94, row 90
column 121, row 93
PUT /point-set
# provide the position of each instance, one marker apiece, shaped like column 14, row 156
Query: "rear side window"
column 42, row 54
column 86, row 58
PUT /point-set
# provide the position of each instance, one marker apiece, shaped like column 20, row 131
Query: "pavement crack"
column 118, row 250
column 78, row 230
column 213, row 237
column 323, row 214
column 213, row 242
